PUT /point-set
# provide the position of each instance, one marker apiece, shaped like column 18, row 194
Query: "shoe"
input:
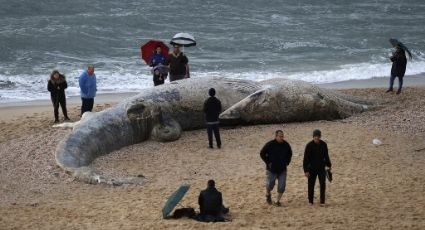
column 211, row 147
column 389, row 90
column 269, row 199
column 310, row 204
column 66, row 119
column 322, row 204
column 398, row 92
column 278, row 204
column 56, row 121
column 219, row 146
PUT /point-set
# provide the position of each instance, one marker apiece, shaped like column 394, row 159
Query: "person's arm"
column 205, row 106
column 187, row 71
column 327, row 159
column 220, row 200
column 82, row 83
column 64, row 85
column 219, row 106
column 263, row 153
column 306, row 160
column 50, row 87
column 288, row 160
column 201, row 205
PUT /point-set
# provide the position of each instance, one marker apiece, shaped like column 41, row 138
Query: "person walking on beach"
column 178, row 63
column 277, row 155
column 211, row 205
column 316, row 158
column 56, row 86
column 88, row 89
column 212, row 109
column 398, row 67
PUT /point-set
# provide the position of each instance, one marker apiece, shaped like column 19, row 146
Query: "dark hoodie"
column 57, row 87
column 210, row 201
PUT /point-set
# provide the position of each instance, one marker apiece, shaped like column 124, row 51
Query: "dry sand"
column 375, row 187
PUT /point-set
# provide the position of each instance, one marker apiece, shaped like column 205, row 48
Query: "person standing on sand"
column 398, row 68
column 316, row 158
column 212, row 109
column 88, row 88
column 277, row 155
column 178, row 63
column 56, row 86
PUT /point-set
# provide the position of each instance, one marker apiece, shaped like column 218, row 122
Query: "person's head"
column 176, row 48
column 158, row 50
column 211, row 92
column 55, row 75
column 317, row 134
column 279, row 136
column 90, row 69
column 211, row 183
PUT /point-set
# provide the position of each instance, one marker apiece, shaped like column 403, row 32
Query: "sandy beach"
column 374, row 187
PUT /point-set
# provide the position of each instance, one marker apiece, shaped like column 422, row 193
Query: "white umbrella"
column 183, row 39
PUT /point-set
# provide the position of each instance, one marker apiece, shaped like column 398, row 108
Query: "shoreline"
column 13, row 110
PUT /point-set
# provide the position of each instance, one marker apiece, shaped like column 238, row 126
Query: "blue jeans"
column 213, row 128
column 400, row 82
column 271, row 180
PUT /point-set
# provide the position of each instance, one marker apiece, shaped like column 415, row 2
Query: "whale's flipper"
column 165, row 127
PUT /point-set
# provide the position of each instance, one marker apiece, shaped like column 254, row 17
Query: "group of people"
column 176, row 63
column 276, row 154
column 57, row 85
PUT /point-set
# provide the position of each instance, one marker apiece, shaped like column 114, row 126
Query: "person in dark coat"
column 178, row 63
column 399, row 61
column 211, row 205
column 56, row 86
column 277, row 155
column 212, row 109
column 316, row 158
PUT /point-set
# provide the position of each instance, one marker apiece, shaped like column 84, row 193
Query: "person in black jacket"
column 56, row 86
column 178, row 63
column 398, row 68
column 212, row 109
column 211, row 205
column 277, row 155
column 316, row 158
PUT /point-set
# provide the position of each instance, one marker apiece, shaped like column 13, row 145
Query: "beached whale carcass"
column 162, row 112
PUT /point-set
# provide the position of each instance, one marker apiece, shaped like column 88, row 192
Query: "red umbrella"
column 148, row 49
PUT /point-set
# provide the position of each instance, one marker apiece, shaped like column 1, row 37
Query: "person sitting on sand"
column 316, row 158
column 211, row 205
column 212, row 109
column 277, row 155
column 56, row 86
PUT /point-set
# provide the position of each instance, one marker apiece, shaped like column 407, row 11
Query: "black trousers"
column 312, row 181
column 87, row 105
column 213, row 128
column 56, row 101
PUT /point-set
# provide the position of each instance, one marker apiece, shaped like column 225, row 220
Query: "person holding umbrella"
column 154, row 53
column 178, row 63
column 399, row 60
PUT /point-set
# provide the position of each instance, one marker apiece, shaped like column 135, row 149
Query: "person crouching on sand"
column 56, row 86
column 277, row 155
